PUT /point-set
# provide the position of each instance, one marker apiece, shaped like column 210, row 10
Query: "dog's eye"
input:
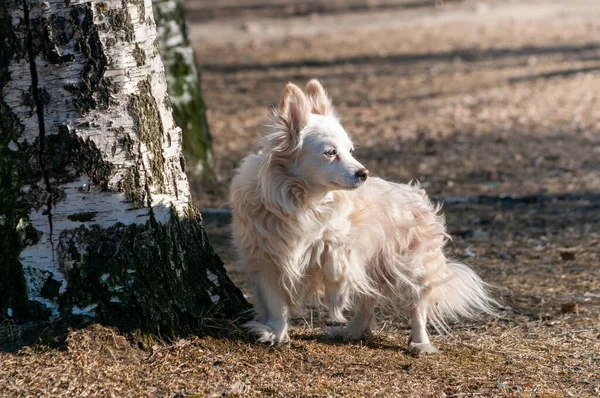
column 331, row 152
column 351, row 150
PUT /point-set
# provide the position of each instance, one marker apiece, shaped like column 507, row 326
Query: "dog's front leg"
column 418, row 342
column 271, row 322
column 336, row 286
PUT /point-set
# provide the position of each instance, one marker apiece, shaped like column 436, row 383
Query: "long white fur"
column 304, row 223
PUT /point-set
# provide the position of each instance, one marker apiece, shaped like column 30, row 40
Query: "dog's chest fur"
column 322, row 227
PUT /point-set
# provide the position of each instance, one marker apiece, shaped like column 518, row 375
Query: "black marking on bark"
column 57, row 32
column 28, row 101
column 69, row 155
column 174, row 178
column 44, row 96
column 53, row 57
column 167, row 102
column 121, row 21
column 93, row 90
column 36, row 197
column 127, row 143
column 156, row 46
column 38, row 311
column 39, row 99
column 139, row 55
column 28, row 235
column 86, row 216
column 51, row 288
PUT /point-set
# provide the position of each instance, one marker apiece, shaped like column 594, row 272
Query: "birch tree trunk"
column 184, row 84
column 96, row 217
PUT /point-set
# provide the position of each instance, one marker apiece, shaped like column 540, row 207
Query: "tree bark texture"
column 96, row 217
column 183, row 83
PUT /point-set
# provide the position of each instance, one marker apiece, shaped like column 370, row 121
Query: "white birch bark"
column 98, row 159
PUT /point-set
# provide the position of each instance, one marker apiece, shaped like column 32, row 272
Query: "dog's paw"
column 420, row 349
column 266, row 334
column 345, row 333
column 263, row 332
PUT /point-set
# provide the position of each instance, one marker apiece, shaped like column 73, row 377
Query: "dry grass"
column 529, row 358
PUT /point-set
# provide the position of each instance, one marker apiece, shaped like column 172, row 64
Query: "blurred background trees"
column 184, row 86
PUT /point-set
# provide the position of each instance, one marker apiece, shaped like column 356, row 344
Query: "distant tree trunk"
column 96, row 217
column 184, row 84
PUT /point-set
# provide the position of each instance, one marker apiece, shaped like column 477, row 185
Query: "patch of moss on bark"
column 131, row 186
column 197, row 142
column 148, row 125
column 151, row 276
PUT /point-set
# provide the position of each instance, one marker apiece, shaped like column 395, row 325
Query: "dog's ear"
column 320, row 101
column 294, row 108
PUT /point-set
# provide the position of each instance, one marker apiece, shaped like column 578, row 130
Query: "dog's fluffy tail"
column 461, row 294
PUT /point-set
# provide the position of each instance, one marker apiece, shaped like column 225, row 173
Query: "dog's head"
column 310, row 142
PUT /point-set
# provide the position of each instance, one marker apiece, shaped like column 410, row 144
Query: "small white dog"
column 307, row 219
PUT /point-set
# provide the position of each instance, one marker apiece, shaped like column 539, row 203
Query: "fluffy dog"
column 308, row 219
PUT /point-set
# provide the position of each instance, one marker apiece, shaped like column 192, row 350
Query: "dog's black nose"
column 362, row 174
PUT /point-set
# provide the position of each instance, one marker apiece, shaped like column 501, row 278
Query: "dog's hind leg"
column 271, row 323
column 361, row 324
column 418, row 342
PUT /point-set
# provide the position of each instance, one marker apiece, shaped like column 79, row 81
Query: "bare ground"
column 492, row 105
